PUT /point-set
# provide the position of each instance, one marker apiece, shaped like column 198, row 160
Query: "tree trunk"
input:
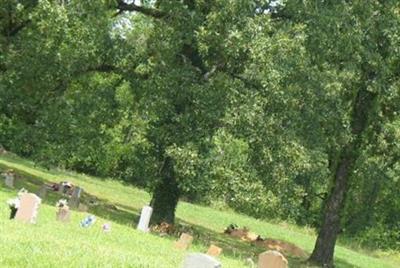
column 166, row 195
column 325, row 245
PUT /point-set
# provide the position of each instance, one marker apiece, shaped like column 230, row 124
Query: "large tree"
column 352, row 47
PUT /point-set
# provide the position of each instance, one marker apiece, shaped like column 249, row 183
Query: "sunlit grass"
column 53, row 244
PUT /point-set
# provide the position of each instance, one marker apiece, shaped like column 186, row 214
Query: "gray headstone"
column 200, row 260
column 145, row 219
column 42, row 191
column 9, row 179
column 75, row 198
column 61, row 188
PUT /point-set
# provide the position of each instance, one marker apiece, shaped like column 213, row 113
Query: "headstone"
column 63, row 214
column 145, row 219
column 272, row 259
column 184, row 241
column 29, row 205
column 214, row 251
column 9, row 179
column 42, row 191
column 199, row 260
column 75, row 198
column 61, row 188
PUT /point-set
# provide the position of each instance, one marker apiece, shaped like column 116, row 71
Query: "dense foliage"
column 268, row 107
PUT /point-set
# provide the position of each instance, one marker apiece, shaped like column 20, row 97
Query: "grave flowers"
column 61, row 203
column 88, row 221
column 14, row 205
column 106, row 227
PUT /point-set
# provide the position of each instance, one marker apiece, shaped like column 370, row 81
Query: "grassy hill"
column 52, row 244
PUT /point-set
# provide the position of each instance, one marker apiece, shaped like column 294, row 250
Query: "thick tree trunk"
column 166, row 195
column 325, row 245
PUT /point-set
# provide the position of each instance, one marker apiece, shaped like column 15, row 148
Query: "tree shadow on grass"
column 129, row 216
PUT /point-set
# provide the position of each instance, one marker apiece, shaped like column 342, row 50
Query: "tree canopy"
column 278, row 109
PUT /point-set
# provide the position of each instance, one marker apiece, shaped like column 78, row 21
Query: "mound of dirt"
column 244, row 234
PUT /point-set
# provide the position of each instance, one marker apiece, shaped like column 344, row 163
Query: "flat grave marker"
column 200, row 260
column 184, row 241
column 214, row 251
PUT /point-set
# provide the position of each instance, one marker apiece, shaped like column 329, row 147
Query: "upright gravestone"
column 63, row 214
column 145, row 219
column 42, row 191
column 272, row 259
column 28, row 209
column 199, row 260
column 184, row 241
column 75, row 198
column 9, row 179
column 61, row 188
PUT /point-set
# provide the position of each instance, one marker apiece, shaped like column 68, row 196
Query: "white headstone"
column 145, row 219
column 28, row 209
column 200, row 260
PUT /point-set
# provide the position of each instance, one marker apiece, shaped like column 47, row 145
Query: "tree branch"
column 152, row 12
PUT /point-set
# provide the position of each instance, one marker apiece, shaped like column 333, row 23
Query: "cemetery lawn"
column 53, row 244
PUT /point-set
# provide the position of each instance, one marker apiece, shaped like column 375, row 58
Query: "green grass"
column 52, row 244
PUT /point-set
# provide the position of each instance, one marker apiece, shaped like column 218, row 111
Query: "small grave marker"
column 28, row 209
column 184, row 241
column 145, row 219
column 272, row 259
column 214, row 251
column 199, row 260
column 63, row 214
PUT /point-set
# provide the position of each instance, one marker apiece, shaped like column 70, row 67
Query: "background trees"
column 276, row 110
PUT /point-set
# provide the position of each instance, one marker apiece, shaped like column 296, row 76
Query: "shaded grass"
column 49, row 243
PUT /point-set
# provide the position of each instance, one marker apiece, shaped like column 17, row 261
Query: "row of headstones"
column 74, row 201
column 9, row 179
column 25, row 208
column 268, row 259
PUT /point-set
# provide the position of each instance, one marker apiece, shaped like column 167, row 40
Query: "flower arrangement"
column 88, row 221
column 106, row 227
column 62, row 203
column 13, row 203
